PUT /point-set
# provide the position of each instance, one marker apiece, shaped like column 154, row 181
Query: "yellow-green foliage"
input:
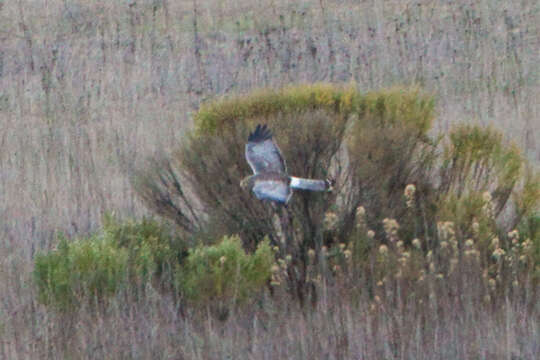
column 151, row 245
column 473, row 208
column 527, row 200
column 397, row 106
column 266, row 102
column 124, row 254
column 394, row 105
column 224, row 271
column 85, row 268
column 476, row 161
column 475, row 158
column 392, row 125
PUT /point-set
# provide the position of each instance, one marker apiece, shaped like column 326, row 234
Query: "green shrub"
column 475, row 159
column 218, row 115
column 198, row 187
column 389, row 148
column 91, row 268
column 479, row 173
column 153, row 248
column 124, row 255
column 527, row 202
column 376, row 145
column 224, row 271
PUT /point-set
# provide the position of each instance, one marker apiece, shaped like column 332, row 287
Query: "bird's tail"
column 310, row 184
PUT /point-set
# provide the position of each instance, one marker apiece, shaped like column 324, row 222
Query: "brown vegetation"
column 89, row 89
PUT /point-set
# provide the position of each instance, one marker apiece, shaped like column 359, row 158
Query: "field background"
column 90, row 89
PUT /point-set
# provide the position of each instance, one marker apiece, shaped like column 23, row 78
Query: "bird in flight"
column 270, row 180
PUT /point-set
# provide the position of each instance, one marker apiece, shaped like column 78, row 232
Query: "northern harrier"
column 270, row 180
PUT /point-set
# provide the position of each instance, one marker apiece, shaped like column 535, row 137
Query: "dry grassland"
column 89, row 89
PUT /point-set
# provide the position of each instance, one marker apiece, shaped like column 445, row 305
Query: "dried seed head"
column 410, row 190
column 488, row 208
column 360, row 213
column 498, row 253
column 330, row 221
column 416, row 243
column 370, row 234
column 383, row 249
column 514, row 236
column 391, row 227
column 409, row 194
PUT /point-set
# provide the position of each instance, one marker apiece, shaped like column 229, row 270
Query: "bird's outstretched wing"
column 262, row 153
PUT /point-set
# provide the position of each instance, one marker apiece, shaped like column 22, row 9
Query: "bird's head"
column 246, row 183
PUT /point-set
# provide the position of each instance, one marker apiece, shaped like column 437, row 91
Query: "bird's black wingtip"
column 260, row 133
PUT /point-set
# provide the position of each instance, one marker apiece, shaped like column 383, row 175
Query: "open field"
column 89, row 89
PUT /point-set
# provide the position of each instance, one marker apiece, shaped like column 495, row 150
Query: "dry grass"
column 339, row 327
column 89, row 88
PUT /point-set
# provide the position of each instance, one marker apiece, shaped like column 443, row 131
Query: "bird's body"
column 270, row 180
column 272, row 186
